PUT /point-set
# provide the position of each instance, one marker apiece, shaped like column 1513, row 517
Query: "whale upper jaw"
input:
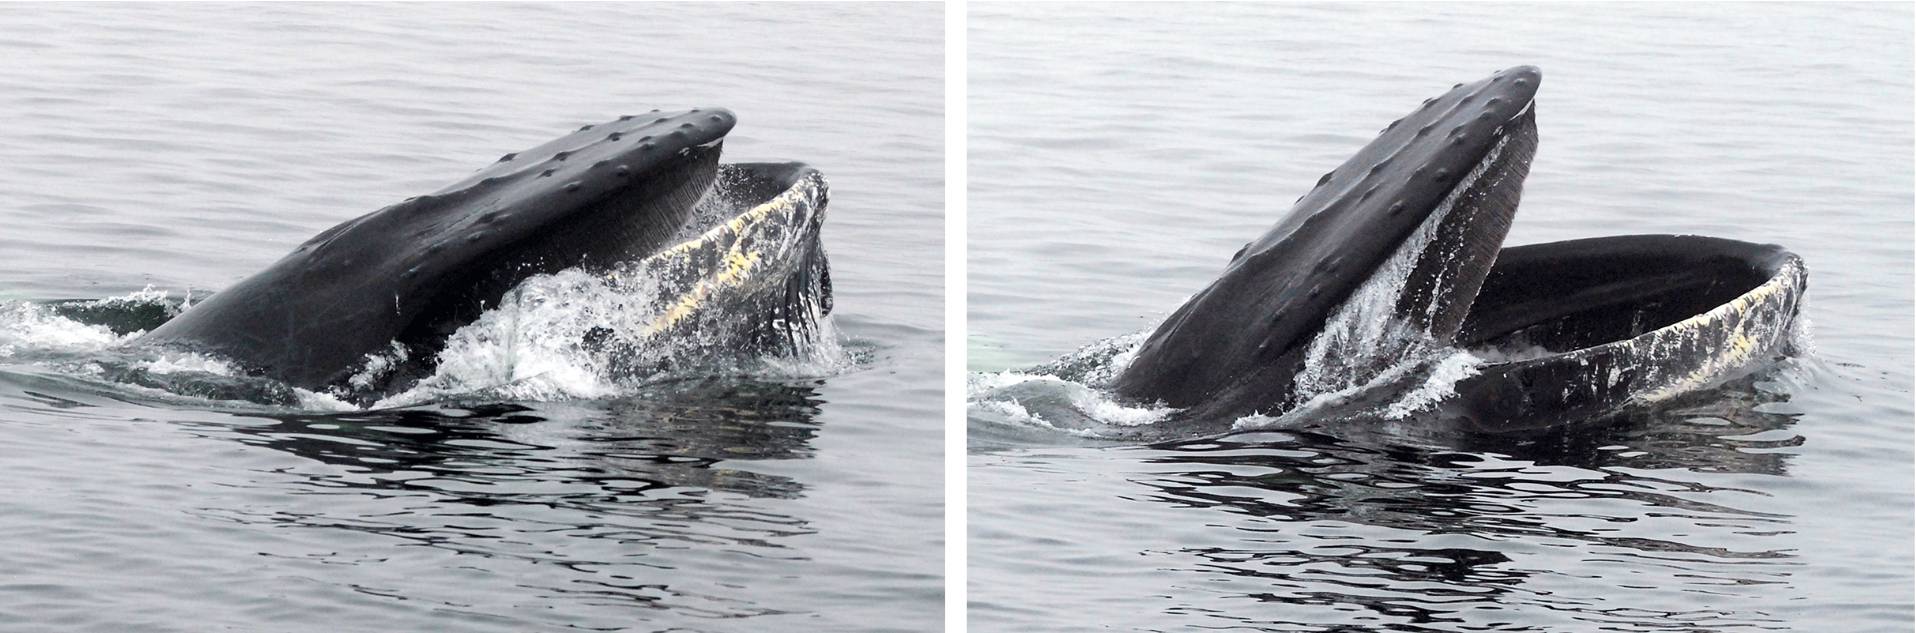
column 1451, row 172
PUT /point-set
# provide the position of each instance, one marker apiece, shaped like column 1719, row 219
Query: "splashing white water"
column 1439, row 385
column 187, row 363
column 1051, row 402
column 1365, row 338
column 1069, row 394
column 27, row 328
column 574, row 334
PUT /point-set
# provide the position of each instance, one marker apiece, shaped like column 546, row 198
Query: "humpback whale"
column 1397, row 253
column 361, row 309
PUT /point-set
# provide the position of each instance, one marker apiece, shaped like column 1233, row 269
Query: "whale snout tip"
column 1515, row 85
column 715, row 122
column 714, row 116
column 1522, row 80
column 695, row 127
column 1525, row 71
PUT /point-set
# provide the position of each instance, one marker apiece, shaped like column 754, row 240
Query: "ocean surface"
column 1121, row 154
column 157, row 151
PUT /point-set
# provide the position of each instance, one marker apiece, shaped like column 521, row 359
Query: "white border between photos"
column 955, row 183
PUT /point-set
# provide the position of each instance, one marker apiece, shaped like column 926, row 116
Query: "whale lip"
column 1237, row 345
column 1654, row 280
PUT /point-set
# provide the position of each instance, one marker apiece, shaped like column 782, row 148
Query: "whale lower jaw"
column 1701, row 312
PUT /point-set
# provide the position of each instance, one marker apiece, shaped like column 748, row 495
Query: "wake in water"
column 1072, row 394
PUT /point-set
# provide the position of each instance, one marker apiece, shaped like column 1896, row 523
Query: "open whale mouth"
column 1573, row 329
column 743, row 281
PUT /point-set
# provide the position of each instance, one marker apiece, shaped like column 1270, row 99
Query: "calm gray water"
column 1121, row 154
column 185, row 147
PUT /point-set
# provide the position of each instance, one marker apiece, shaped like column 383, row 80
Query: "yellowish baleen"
column 768, row 229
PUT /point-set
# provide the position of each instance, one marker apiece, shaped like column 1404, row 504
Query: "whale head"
column 415, row 271
column 1435, row 191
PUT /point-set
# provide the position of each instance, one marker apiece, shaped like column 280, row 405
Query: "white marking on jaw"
column 1757, row 320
